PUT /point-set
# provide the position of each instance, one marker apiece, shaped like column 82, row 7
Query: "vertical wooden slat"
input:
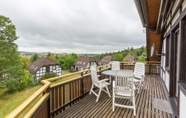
column 60, row 96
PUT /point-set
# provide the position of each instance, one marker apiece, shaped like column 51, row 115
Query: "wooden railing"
column 55, row 98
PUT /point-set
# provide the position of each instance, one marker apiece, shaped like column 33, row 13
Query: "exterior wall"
column 79, row 68
column 183, row 5
column 174, row 27
column 167, row 80
column 163, row 62
column 182, row 105
column 56, row 69
column 53, row 68
column 165, row 76
column 40, row 72
column 175, row 5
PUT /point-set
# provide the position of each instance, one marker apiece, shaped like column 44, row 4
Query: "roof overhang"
column 151, row 14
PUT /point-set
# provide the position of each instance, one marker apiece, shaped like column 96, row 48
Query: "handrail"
column 36, row 106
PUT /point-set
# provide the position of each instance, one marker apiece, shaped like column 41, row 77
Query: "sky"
column 75, row 26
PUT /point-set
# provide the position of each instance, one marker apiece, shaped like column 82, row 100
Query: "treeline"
column 139, row 52
column 66, row 61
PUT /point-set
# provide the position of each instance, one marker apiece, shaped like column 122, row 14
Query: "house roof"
column 107, row 59
column 83, row 61
column 36, row 65
column 129, row 58
column 151, row 14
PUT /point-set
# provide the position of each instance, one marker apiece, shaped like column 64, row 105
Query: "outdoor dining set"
column 123, row 82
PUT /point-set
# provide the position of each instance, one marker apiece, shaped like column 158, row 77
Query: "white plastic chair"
column 139, row 75
column 101, row 84
column 94, row 68
column 115, row 65
column 123, row 87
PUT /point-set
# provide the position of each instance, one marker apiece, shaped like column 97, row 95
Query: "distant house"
column 42, row 66
column 84, row 63
column 106, row 60
column 130, row 59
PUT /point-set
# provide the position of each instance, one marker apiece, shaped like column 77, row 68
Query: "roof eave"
column 141, row 6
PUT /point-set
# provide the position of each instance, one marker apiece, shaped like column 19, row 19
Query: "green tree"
column 48, row 55
column 34, row 57
column 68, row 60
column 11, row 72
column 52, row 56
column 118, row 57
column 25, row 61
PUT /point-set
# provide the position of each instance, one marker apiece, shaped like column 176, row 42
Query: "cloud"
column 79, row 26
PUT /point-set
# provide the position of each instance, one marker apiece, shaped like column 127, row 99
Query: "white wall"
column 165, row 76
column 182, row 105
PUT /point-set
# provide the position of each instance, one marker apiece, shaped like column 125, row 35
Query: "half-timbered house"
column 42, row 66
column 129, row 59
column 106, row 60
column 84, row 63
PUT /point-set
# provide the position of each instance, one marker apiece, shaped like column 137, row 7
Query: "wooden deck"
column 88, row 108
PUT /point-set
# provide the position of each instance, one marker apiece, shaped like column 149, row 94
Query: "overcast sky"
column 79, row 26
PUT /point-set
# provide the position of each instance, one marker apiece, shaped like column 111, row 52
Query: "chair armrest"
column 103, row 80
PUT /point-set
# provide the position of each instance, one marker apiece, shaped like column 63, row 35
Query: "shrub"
column 46, row 76
column 19, row 84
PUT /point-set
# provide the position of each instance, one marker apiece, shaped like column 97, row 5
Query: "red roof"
column 107, row 59
column 83, row 61
column 36, row 65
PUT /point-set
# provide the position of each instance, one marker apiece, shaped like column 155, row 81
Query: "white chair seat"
column 123, row 93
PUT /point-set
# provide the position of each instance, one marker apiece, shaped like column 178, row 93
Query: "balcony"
column 69, row 97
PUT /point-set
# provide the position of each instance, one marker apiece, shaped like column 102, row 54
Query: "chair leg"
column 134, row 104
column 91, row 89
column 140, row 85
column 113, row 100
column 98, row 94
column 108, row 91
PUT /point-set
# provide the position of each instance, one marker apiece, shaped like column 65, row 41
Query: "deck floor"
column 88, row 108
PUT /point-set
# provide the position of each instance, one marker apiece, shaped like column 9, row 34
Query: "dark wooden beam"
column 160, row 16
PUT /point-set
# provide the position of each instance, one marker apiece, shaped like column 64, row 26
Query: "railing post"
column 48, row 102
column 149, row 68
column 122, row 67
column 82, row 84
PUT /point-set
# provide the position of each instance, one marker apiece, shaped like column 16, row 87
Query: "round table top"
column 113, row 72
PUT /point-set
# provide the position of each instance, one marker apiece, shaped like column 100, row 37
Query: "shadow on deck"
column 88, row 108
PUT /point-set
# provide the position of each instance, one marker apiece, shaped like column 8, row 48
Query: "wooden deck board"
column 89, row 108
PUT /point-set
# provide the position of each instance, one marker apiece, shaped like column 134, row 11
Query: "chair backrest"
column 139, row 70
column 123, row 82
column 115, row 65
column 94, row 75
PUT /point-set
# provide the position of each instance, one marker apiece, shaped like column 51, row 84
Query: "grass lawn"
column 9, row 102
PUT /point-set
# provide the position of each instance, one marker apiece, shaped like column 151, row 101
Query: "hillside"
column 139, row 52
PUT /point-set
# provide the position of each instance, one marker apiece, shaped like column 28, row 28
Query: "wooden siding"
column 152, row 37
column 153, row 7
column 88, row 108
